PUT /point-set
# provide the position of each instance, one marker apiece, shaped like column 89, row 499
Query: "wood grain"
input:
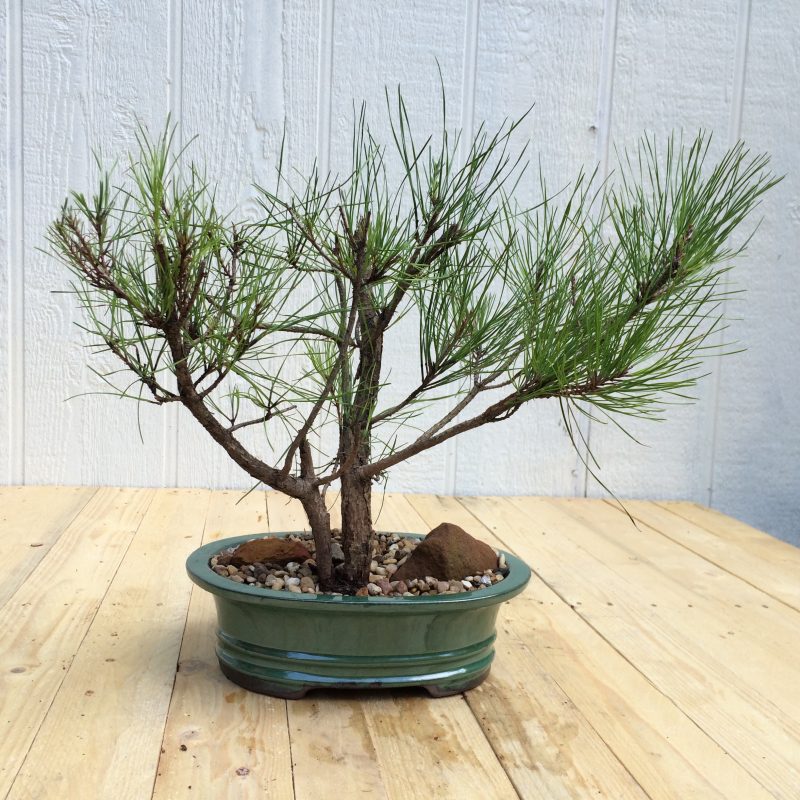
column 626, row 603
column 771, row 565
column 102, row 733
column 442, row 739
column 31, row 520
column 631, row 667
column 547, row 747
column 219, row 739
column 79, row 75
column 48, row 617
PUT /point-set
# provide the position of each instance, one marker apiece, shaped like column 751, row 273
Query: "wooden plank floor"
column 657, row 661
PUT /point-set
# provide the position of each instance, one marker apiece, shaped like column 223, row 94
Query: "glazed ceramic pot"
column 285, row 644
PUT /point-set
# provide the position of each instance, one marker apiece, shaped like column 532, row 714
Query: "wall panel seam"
column 324, row 87
column 605, row 104
column 734, row 134
column 472, row 23
column 171, row 419
column 15, row 204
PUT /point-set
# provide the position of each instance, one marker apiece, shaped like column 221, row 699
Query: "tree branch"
column 294, row 487
column 494, row 413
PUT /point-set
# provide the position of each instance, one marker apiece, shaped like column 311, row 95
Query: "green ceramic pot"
column 284, row 644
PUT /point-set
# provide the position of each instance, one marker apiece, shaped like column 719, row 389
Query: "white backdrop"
column 78, row 72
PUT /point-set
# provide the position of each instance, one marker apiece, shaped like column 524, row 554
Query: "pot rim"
column 198, row 569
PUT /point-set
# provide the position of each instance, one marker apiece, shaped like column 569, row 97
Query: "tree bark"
column 354, row 443
column 320, row 521
column 356, row 529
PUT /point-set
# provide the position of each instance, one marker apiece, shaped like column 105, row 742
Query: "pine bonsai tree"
column 603, row 296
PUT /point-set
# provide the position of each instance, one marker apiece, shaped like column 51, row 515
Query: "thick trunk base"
column 356, row 530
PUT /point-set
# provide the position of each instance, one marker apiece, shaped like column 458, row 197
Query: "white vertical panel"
column 122, row 57
column 380, row 44
column 550, row 55
column 88, row 69
column 248, row 67
column 674, row 72
column 756, row 474
column 170, row 415
column 10, row 239
column 77, row 74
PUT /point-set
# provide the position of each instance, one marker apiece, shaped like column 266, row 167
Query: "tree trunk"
column 356, row 529
column 320, row 521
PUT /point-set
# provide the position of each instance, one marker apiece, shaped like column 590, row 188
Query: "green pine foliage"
column 604, row 295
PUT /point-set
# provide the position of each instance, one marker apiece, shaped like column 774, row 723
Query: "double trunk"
column 357, row 403
column 356, row 535
column 356, row 532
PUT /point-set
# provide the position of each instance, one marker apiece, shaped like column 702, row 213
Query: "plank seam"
column 605, row 105
column 285, row 702
column 465, row 695
column 177, row 665
column 517, row 789
column 15, row 250
column 610, row 503
column 761, row 589
column 766, row 704
column 734, row 134
column 64, row 527
column 656, row 688
column 472, row 23
column 289, row 739
column 552, row 677
column 644, row 675
column 525, row 646
column 67, row 671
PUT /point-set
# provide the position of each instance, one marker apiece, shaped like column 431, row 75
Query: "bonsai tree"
column 602, row 296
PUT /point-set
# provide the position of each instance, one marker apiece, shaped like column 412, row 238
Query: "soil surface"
column 389, row 552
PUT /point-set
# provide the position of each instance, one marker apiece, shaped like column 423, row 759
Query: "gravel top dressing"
column 389, row 552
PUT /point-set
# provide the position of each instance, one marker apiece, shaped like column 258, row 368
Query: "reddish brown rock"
column 448, row 553
column 269, row 551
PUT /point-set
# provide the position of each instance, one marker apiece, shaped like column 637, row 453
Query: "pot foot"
column 261, row 686
column 455, row 687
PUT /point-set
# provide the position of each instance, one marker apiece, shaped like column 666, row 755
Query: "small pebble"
column 389, row 552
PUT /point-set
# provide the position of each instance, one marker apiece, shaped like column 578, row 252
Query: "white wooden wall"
column 76, row 74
